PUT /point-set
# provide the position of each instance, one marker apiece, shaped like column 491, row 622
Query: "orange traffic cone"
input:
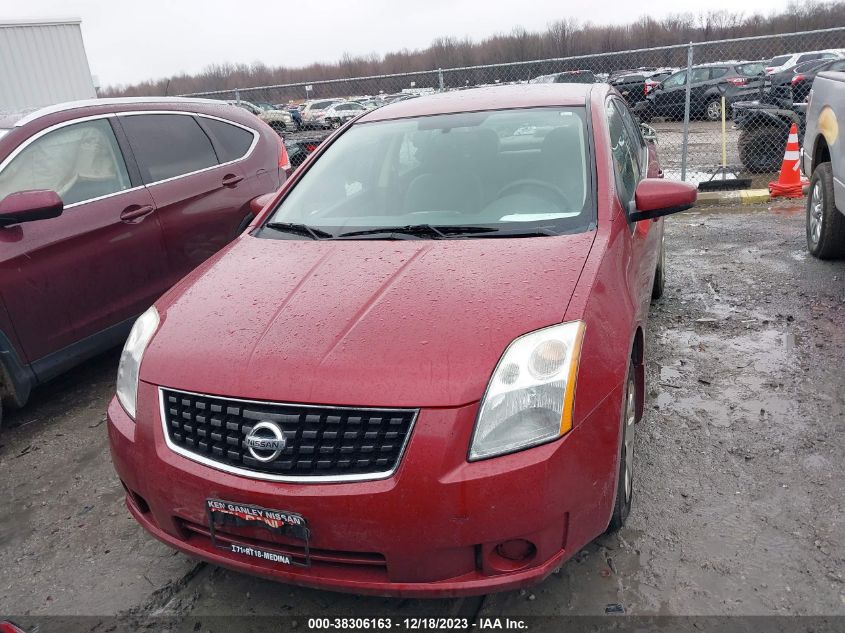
column 789, row 184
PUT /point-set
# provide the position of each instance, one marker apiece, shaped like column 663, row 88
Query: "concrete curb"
column 741, row 196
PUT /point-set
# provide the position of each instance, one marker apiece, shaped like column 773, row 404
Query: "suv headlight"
column 530, row 395
column 130, row 359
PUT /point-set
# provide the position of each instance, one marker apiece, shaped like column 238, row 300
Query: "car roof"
column 479, row 99
column 18, row 119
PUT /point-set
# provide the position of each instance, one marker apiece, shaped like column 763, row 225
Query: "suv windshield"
column 506, row 172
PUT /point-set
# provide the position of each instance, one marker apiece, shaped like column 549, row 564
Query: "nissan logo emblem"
column 265, row 441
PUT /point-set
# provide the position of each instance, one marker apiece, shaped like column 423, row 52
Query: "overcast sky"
column 128, row 41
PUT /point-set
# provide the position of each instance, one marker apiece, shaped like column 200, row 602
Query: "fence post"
column 440, row 78
column 237, row 96
column 685, row 144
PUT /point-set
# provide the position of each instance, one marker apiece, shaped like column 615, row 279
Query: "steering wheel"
column 537, row 184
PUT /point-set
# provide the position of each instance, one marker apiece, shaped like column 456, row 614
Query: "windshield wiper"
column 531, row 231
column 299, row 229
column 421, row 230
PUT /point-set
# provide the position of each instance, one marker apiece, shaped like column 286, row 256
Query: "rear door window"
column 79, row 162
column 168, row 145
column 232, row 142
column 718, row 71
column 700, row 74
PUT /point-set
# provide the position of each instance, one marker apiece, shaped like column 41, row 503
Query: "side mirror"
column 28, row 206
column 656, row 197
column 256, row 205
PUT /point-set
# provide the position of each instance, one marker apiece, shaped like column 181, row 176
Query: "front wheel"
column 625, row 481
column 825, row 224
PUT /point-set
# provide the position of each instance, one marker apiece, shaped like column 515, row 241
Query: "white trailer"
column 43, row 63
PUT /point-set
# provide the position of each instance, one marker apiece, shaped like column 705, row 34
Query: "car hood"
column 367, row 322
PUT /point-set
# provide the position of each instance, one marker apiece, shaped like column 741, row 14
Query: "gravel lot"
column 738, row 506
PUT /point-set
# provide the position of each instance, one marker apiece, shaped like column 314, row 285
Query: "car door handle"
column 135, row 213
column 230, row 180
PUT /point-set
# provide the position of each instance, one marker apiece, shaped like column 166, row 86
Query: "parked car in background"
column 709, row 83
column 784, row 62
column 372, row 103
column 569, row 76
column 300, row 148
column 634, row 85
column 336, row 115
column 823, row 159
column 403, row 97
column 481, row 357
column 795, row 83
column 399, row 96
column 279, row 120
column 313, row 110
column 104, row 205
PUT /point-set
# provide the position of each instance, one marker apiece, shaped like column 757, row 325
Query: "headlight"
column 530, row 395
column 130, row 359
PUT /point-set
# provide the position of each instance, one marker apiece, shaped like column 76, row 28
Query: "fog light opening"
column 517, row 550
column 137, row 500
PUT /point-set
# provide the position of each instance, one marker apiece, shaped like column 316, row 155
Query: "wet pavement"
column 738, row 490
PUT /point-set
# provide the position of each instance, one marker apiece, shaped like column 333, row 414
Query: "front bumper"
column 430, row 530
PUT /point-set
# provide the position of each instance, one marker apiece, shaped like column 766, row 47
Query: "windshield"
column 512, row 169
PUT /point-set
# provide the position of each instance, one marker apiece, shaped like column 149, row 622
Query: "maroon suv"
column 104, row 204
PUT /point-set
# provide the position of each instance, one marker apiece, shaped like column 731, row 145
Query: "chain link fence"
column 727, row 127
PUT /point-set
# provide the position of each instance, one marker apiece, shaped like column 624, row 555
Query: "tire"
column 761, row 148
column 645, row 115
column 713, row 110
column 825, row 224
column 242, row 226
column 625, row 480
column 659, row 272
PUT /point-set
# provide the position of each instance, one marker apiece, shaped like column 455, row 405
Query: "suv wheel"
column 825, row 224
column 713, row 111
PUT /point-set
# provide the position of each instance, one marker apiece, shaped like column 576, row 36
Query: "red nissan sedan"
column 418, row 372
